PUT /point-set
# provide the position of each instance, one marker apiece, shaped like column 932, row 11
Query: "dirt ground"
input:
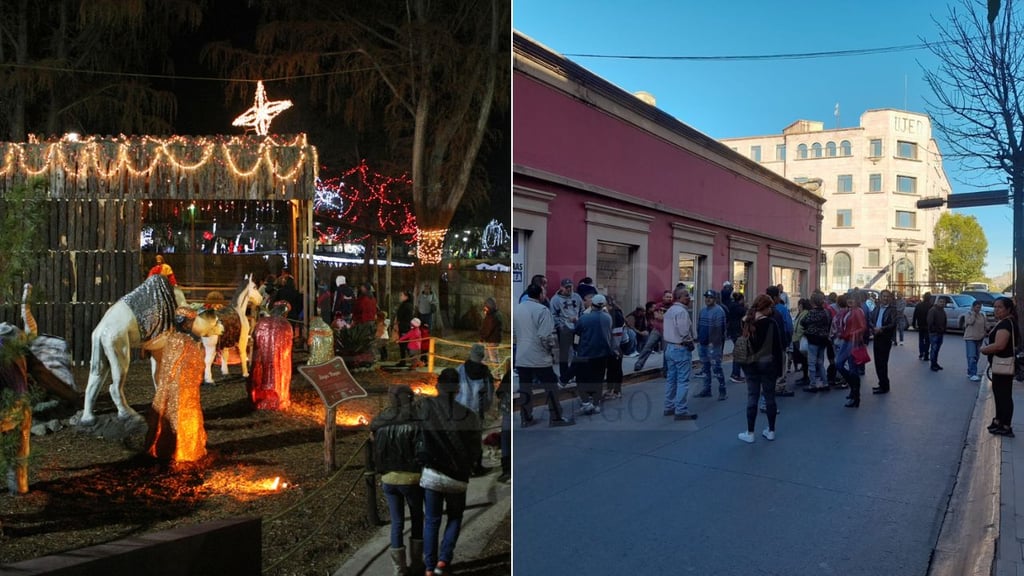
column 92, row 486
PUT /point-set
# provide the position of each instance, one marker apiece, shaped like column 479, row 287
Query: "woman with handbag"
column 1001, row 351
column 851, row 335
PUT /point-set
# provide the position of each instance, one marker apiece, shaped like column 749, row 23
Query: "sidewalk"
column 1009, row 552
column 488, row 503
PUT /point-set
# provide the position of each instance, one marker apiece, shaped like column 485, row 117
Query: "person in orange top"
column 162, row 268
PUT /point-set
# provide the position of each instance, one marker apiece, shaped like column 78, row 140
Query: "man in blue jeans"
column 678, row 335
column 936, row 329
column 711, row 327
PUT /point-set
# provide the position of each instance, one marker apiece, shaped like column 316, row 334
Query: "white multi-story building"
column 871, row 177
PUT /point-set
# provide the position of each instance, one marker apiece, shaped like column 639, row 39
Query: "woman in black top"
column 1001, row 343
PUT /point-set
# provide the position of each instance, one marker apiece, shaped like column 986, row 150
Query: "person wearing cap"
column 341, row 301
column 678, row 355
column 566, row 308
column 476, row 391
column 450, row 446
column 711, row 326
column 534, row 333
column 585, row 287
column 594, row 349
column 726, row 295
column 414, row 339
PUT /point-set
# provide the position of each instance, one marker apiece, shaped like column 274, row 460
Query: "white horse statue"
column 140, row 319
column 237, row 330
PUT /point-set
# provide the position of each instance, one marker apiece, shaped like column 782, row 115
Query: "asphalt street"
column 840, row 491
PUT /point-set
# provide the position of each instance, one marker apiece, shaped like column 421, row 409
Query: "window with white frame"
column 830, row 149
column 844, row 184
column 845, row 149
column 801, row 151
column 816, row 150
column 874, row 257
column 875, row 148
column 906, row 184
column 906, row 219
column 780, row 152
column 755, row 153
column 875, row 183
column 906, row 150
column 844, row 218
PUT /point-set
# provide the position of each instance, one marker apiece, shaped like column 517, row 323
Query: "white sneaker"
column 747, row 437
column 975, row 378
column 769, row 434
column 587, row 408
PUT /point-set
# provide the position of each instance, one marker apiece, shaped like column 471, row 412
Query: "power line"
column 763, row 57
column 177, row 77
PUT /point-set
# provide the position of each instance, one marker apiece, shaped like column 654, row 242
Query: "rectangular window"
column 906, row 219
column 876, row 148
column 906, row 150
column 800, row 179
column 844, row 184
column 873, row 258
column 906, row 184
column 755, row 153
column 844, row 218
column 875, row 183
column 780, row 152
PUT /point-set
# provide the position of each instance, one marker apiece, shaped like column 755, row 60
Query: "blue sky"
column 729, row 99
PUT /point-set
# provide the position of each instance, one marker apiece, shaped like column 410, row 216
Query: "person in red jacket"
column 364, row 309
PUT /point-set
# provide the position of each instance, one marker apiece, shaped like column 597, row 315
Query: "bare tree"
column 978, row 102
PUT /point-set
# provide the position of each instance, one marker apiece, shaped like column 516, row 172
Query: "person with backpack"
column 764, row 366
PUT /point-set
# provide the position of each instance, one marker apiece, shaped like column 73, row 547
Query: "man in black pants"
column 921, row 323
column 882, row 323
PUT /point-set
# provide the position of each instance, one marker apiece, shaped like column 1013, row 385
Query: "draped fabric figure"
column 270, row 383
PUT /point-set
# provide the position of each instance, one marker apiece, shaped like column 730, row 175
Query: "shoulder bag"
column 1006, row 366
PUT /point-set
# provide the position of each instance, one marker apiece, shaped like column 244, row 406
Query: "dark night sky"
column 203, row 109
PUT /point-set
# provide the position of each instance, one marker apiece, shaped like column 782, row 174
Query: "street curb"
column 970, row 525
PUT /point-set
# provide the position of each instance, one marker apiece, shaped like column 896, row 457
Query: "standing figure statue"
column 269, row 386
column 175, row 418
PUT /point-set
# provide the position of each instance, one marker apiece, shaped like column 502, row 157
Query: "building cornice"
column 544, row 65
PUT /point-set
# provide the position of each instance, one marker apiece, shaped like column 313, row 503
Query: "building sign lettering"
column 906, row 125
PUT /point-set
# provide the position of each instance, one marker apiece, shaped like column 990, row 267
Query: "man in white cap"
column 595, row 347
column 341, row 303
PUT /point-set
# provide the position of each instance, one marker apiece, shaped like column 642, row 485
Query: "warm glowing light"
column 140, row 156
column 345, row 419
column 243, row 483
column 429, row 244
column 424, row 389
column 262, row 112
column 275, row 483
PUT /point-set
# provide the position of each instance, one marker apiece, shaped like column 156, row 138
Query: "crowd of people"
column 587, row 335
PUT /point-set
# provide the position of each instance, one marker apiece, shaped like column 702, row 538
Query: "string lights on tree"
column 430, row 245
column 366, row 199
column 262, row 112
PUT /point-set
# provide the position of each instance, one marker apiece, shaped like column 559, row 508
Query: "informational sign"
column 333, row 382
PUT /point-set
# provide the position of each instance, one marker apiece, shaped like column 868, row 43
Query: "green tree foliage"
column 23, row 215
column 960, row 249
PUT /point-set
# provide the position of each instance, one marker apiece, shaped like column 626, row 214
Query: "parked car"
column 957, row 306
column 987, row 298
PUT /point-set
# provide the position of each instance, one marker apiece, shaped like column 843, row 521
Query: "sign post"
column 335, row 384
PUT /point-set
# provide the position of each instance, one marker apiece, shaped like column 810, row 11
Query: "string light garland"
column 110, row 158
column 262, row 112
column 430, row 244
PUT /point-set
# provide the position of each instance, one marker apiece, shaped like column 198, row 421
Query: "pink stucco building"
column 608, row 186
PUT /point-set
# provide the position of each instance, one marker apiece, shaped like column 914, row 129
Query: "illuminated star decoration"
column 262, row 111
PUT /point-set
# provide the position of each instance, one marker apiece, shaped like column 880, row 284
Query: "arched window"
column 841, row 267
column 816, row 150
column 845, row 149
column 830, row 149
column 801, row 151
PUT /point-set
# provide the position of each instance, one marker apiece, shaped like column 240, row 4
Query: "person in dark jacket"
column 594, row 330
column 403, row 323
column 921, row 323
column 450, row 447
column 766, row 339
column 490, row 329
column 936, row 328
column 394, row 457
column 504, row 395
column 476, row 392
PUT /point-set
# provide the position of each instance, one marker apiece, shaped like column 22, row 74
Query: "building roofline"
column 557, row 70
